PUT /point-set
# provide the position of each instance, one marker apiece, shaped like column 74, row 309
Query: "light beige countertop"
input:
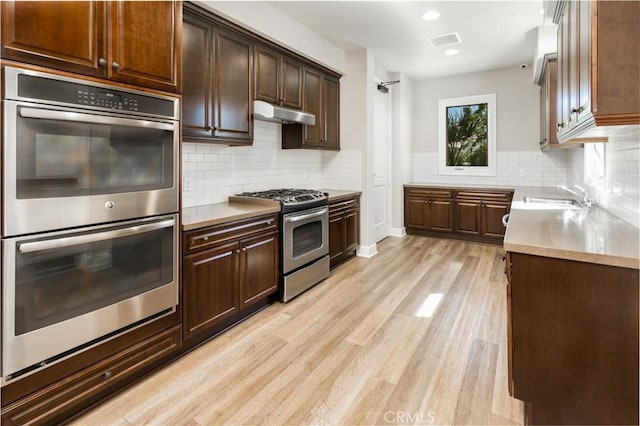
column 338, row 194
column 460, row 186
column 586, row 235
column 213, row 214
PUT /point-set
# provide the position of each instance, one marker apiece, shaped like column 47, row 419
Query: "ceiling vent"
column 445, row 40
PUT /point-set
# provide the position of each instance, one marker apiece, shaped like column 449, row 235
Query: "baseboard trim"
column 398, row 232
column 367, row 251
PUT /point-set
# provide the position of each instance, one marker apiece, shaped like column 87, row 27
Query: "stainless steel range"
column 304, row 237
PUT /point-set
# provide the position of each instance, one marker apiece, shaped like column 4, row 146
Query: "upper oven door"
column 305, row 237
column 66, row 167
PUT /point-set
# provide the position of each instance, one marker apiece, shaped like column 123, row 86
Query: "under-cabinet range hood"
column 268, row 112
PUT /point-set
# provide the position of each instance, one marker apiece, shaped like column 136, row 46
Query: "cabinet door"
column 331, row 101
column 291, row 83
column 337, row 229
column 145, row 43
column 312, row 102
column 67, row 36
column 259, row 269
column 563, row 105
column 233, row 88
column 584, row 52
column 440, row 215
column 210, row 287
column 351, row 231
column 468, row 217
column 492, row 213
column 267, row 75
column 574, row 61
column 197, row 90
column 416, row 213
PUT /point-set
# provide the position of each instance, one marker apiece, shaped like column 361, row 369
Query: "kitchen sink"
column 543, row 203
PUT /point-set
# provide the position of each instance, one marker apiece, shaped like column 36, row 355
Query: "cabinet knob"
column 205, row 238
column 238, row 251
column 207, row 128
column 244, row 249
column 102, row 62
column 561, row 125
column 116, row 66
column 106, row 375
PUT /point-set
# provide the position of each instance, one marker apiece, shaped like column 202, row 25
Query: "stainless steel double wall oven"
column 89, row 215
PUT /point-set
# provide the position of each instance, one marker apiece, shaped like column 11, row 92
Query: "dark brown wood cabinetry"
column 598, row 65
column 278, row 78
column 217, row 93
column 471, row 214
column 130, row 42
column 344, row 228
column 321, row 97
column 228, row 269
column 573, row 340
column 52, row 395
column 226, row 67
column 429, row 209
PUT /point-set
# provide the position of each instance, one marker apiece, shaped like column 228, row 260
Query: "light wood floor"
column 351, row 351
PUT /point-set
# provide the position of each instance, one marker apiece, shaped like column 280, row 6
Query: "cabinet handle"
column 116, row 66
column 102, row 62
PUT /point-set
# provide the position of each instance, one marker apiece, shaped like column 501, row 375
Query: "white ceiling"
column 495, row 34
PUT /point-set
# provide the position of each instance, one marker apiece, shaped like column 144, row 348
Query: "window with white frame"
column 467, row 136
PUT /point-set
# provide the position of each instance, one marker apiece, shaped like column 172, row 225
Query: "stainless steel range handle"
column 93, row 119
column 92, row 238
column 317, row 213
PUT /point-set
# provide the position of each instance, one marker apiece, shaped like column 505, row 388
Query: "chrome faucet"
column 586, row 199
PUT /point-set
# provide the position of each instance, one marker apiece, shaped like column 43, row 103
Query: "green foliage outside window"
column 467, row 131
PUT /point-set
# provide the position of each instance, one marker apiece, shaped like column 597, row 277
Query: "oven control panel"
column 100, row 98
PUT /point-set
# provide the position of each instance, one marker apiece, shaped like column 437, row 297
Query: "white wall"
column 519, row 160
column 517, row 107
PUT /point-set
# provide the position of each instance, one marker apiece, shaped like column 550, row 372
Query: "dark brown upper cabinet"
column 130, row 42
column 217, row 92
column 278, row 79
column 321, row 97
column 598, row 68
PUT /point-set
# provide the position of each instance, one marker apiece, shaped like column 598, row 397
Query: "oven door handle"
column 292, row 219
column 36, row 246
column 92, row 119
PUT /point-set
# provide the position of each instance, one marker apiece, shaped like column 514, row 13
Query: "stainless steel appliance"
column 90, row 215
column 65, row 291
column 79, row 153
column 304, row 237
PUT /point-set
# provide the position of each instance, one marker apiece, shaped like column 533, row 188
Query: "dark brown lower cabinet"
column 56, row 402
column 573, row 340
column 228, row 270
column 344, row 228
column 463, row 213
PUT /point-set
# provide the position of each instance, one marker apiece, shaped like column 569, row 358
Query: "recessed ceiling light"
column 542, row 11
column 430, row 15
column 451, row 52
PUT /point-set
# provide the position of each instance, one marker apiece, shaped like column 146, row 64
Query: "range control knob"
column 109, row 205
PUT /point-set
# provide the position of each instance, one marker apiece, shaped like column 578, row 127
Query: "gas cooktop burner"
column 290, row 197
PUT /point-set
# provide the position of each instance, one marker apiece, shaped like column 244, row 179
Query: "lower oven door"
column 66, row 291
column 305, row 237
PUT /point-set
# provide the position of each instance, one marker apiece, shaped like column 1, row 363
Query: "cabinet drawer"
column 341, row 206
column 226, row 232
column 56, row 402
column 429, row 192
column 493, row 196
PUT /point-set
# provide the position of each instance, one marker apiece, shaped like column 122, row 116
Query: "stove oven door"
column 305, row 237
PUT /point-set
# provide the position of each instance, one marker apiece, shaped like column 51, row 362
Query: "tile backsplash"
column 522, row 168
column 210, row 173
